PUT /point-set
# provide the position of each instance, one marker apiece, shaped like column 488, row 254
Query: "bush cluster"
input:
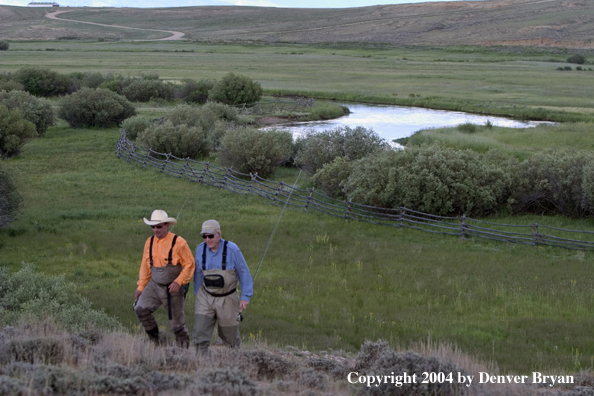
column 250, row 150
column 144, row 90
column 578, row 59
column 182, row 141
column 10, row 199
column 27, row 294
column 4, row 46
column 36, row 110
column 95, row 108
column 317, row 149
column 44, row 82
column 235, row 89
column 15, row 131
column 193, row 91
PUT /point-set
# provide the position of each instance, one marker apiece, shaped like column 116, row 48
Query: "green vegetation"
column 234, row 89
column 15, row 131
column 4, row 46
column 95, row 108
column 36, row 110
column 10, row 198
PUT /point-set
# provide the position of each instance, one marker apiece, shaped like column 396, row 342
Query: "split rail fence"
column 309, row 200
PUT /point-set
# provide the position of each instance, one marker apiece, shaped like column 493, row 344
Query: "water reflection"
column 394, row 122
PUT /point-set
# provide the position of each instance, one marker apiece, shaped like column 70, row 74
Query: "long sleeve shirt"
column 215, row 261
column 181, row 255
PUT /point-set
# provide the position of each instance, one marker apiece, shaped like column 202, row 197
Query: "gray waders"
column 217, row 302
column 156, row 293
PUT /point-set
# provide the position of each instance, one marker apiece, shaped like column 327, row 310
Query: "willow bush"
column 36, row 110
column 182, row 140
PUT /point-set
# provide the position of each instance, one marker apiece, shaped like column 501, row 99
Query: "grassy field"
column 325, row 283
column 519, row 85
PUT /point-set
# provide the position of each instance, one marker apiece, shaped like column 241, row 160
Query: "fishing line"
column 182, row 207
column 276, row 225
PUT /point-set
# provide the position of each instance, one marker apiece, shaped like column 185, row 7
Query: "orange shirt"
column 181, row 254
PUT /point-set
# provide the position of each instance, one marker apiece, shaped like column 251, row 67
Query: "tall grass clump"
column 250, row 150
column 95, row 108
column 29, row 295
column 33, row 109
column 319, row 148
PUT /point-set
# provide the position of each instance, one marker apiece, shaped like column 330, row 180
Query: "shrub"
column 181, row 141
column 195, row 91
column 558, row 181
column 116, row 83
column 46, row 350
column 268, row 365
column 10, row 85
column 225, row 382
column 317, row 149
column 436, row 180
column 4, row 46
column 332, row 177
column 10, row 199
column 92, row 80
column 578, row 59
column 250, row 150
column 15, row 131
column 28, row 294
column 95, row 108
column 43, row 82
column 36, row 110
column 235, row 89
column 134, row 126
column 467, row 127
column 143, row 90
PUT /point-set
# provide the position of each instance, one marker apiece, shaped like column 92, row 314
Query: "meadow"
column 325, row 283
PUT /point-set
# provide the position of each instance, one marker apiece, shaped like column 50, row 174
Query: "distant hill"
column 548, row 23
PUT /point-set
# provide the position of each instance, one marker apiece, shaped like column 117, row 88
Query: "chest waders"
column 164, row 276
column 219, row 282
column 217, row 303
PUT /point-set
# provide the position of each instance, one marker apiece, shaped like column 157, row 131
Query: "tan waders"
column 155, row 294
column 217, row 302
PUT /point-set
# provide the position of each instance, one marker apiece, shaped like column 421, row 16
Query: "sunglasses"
column 210, row 236
column 158, row 227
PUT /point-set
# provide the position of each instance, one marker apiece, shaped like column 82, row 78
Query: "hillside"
column 548, row 23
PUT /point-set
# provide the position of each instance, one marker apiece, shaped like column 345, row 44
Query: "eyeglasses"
column 158, row 227
column 209, row 236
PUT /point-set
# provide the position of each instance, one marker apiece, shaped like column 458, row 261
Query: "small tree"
column 578, row 59
column 4, row 45
column 10, row 199
column 250, row 150
column 95, row 108
column 235, row 89
column 15, row 131
column 33, row 109
column 195, row 91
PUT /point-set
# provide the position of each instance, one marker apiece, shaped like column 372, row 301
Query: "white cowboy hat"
column 159, row 217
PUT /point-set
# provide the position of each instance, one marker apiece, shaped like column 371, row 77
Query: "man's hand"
column 174, row 287
column 137, row 294
column 243, row 305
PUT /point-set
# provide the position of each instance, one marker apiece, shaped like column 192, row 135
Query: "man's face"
column 160, row 230
column 212, row 240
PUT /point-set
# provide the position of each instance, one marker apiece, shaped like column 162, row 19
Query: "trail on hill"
column 174, row 35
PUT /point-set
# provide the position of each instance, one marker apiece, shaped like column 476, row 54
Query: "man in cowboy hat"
column 220, row 267
column 167, row 265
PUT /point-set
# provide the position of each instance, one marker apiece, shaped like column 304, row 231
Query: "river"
column 394, row 122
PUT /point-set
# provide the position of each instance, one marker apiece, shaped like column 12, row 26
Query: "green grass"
column 324, row 283
column 511, row 84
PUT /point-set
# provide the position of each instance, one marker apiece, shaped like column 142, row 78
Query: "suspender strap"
column 225, row 256
column 224, row 266
column 171, row 250
column 151, row 250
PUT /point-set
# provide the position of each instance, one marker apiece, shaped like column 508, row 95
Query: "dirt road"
column 174, row 35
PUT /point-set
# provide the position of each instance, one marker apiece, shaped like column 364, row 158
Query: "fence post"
column 348, row 209
column 402, row 214
column 278, row 190
column 183, row 169
column 310, row 191
column 146, row 157
column 165, row 162
column 225, row 178
column 203, row 173
column 463, row 227
column 535, row 234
